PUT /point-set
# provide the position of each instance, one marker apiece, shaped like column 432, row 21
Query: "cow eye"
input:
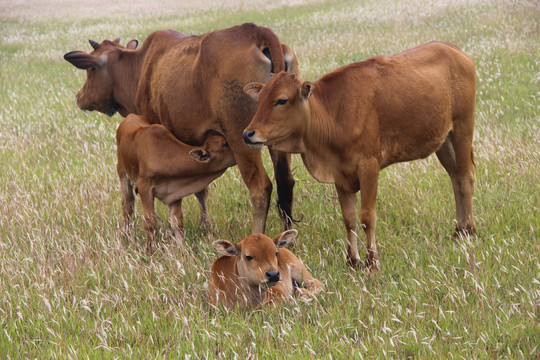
column 277, row 253
column 226, row 145
column 249, row 258
column 280, row 102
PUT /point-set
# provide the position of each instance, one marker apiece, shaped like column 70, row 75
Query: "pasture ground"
column 71, row 287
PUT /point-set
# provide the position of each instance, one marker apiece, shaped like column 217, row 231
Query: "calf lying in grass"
column 258, row 270
column 150, row 157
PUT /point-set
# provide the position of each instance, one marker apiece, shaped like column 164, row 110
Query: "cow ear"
column 82, row 60
column 285, row 238
column 200, row 155
column 253, row 89
column 307, row 89
column 225, row 247
column 132, row 45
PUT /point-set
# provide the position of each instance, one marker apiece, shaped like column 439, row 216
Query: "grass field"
column 71, row 287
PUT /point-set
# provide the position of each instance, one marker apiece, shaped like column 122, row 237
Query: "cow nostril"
column 272, row 275
column 248, row 134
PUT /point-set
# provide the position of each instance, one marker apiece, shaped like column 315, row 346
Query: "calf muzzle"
column 273, row 276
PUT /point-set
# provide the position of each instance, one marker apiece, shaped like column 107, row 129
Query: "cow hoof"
column 467, row 231
column 373, row 264
column 353, row 261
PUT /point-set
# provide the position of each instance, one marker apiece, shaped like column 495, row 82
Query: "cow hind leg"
column 285, row 185
column 259, row 185
column 462, row 182
column 205, row 218
column 462, row 143
column 177, row 221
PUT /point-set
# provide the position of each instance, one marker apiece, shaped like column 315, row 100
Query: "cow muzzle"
column 272, row 277
column 251, row 139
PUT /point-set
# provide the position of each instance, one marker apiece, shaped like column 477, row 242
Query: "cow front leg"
column 369, row 178
column 349, row 203
column 128, row 202
column 149, row 214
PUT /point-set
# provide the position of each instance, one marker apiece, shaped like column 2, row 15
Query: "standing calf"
column 150, row 157
column 362, row 117
column 257, row 270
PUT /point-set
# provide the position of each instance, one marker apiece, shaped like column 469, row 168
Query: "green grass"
column 71, row 287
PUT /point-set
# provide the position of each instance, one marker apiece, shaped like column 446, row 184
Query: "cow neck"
column 319, row 140
column 128, row 73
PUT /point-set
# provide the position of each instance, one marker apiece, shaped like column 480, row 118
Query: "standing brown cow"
column 362, row 117
column 193, row 86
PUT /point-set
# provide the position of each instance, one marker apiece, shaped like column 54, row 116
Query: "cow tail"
column 269, row 39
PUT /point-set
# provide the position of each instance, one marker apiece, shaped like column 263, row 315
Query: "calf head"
column 101, row 70
column 215, row 150
column 282, row 111
column 257, row 257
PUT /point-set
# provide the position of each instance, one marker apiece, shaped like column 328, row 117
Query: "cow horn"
column 117, row 40
column 94, row 44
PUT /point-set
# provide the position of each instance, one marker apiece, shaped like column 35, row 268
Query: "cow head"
column 257, row 257
column 100, row 65
column 282, row 112
column 215, row 149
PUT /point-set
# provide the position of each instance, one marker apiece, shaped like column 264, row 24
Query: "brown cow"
column 161, row 166
column 362, row 117
column 258, row 270
column 193, row 86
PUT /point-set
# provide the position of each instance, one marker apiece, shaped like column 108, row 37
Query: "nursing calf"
column 159, row 165
column 258, row 270
column 362, row 117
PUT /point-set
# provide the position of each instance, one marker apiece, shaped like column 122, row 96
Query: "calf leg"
column 301, row 275
column 149, row 214
column 349, row 203
column 177, row 221
column 128, row 201
column 285, row 185
column 201, row 197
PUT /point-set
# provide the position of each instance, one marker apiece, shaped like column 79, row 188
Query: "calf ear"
column 253, row 89
column 225, row 247
column 285, row 238
column 82, row 60
column 132, row 45
column 307, row 88
column 200, row 155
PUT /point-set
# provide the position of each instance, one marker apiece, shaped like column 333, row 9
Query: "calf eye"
column 249, row 258
column 280, row 102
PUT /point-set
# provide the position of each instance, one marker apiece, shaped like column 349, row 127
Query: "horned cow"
column 362, row 117
column 259, row 270
column 159, row 165
column 193, row 86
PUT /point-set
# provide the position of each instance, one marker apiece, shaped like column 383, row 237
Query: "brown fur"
column 362, row 117
column 193, row 86
column 159, row 165
column 235, row 279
